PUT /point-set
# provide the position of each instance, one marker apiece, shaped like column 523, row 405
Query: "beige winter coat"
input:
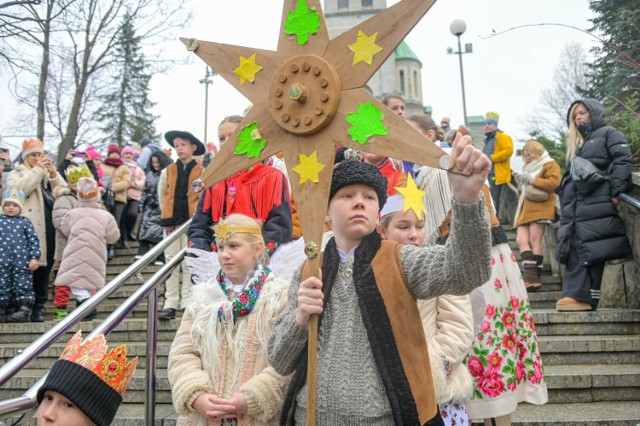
column 88, row 228
column 206, row 353
column 448, row 326
column 29, row 180
column 65, row 201
column 120, row 180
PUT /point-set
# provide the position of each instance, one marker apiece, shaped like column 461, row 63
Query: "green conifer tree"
column 125, row 114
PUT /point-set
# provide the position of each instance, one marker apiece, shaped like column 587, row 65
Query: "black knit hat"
column 92, row 395
column 350, row 172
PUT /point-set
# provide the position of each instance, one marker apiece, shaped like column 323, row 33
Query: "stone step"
column 549, row 322
column 131, row 414
column 591, row 349
column 592, row 383
column 607, row 413
column 130, row 330
column 135, row 393
column 545, row 299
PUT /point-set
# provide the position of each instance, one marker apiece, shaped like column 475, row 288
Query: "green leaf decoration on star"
column 250, row 141
column 302, row 22
column 365, row 123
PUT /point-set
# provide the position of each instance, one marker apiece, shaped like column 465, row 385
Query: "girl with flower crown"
column 218, row 365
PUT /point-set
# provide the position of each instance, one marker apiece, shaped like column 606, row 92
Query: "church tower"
column 341, row 15
column 401, row 73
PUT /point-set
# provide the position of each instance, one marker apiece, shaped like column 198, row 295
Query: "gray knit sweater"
column 349, row 388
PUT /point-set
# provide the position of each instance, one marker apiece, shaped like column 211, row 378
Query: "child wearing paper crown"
column 66, row 199
column 19, row 254
column 218, row 365
column 85, row 386
column 88, row 228
column 373, row 362
column 447, row 319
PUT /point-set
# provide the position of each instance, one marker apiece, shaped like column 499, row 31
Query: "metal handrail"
column 27, row 402
column 629, row 200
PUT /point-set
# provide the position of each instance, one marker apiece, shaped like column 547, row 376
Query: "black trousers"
column 128, row 219
column 582, row 282
column 41, row 275
column 117, row 211
column 495, row 191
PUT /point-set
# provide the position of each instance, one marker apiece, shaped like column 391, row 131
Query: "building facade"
column 401, row 73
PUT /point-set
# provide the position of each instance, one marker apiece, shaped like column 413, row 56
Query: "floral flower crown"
column 223, row 230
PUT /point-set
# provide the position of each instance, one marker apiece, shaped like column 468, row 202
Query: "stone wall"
column 621, row 281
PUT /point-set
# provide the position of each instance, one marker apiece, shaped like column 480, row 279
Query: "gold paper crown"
column 112, row 367
column 491, row 115
column 223, row 231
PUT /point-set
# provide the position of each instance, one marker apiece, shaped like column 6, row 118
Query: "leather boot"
column 539, row 259
column 530, row 274
column 21, row 315
column 37, row 315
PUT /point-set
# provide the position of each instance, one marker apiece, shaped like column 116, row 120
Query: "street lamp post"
column 207, row 81
column 457, row 28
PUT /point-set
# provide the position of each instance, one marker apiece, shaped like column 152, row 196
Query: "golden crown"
column 491, row 115
column 223, row 231
column 112, row 367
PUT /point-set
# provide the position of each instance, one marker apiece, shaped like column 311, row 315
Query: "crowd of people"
column 408, row 333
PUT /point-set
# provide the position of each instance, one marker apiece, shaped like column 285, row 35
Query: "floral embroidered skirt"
column 454, row 414
column 504, row 359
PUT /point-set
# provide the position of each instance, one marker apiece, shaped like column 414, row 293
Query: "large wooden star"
column 301, row 99
column 303, row 94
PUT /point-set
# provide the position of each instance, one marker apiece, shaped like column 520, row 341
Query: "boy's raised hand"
column 310, row 299
column 474, row 165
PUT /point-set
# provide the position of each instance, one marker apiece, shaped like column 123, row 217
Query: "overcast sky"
column 505, row 73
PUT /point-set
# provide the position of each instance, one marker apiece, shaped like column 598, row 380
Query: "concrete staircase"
column 591, row 359
column 591, row 362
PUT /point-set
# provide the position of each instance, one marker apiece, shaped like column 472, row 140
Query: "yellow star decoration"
column 309, row 168
column 364, row 48
column 412, row 197
column 222, row 232
column 247, row 69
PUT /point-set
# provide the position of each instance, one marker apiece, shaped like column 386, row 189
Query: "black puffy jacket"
column 589, row 220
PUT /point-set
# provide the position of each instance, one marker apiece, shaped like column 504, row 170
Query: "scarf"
column 532, row 168
column 113, row 162
column 246, row 300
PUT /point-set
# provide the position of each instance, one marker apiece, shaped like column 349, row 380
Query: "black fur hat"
column 350, row 172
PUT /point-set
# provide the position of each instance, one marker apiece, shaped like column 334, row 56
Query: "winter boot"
column 91, row 314
column 111, row 252
column 539, row 259
column 21, row 315
column 530, row 274
column 37, row 315
column 60, row 313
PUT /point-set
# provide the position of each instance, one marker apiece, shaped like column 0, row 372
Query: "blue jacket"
column 18, row 241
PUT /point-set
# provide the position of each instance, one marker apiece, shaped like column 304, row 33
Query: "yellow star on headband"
column 412, row 197
column 309, row 168
column 364, row 48
column 247, row 69
column 222, row 231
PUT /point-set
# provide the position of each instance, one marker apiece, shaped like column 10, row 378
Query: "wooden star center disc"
column 304, row 94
